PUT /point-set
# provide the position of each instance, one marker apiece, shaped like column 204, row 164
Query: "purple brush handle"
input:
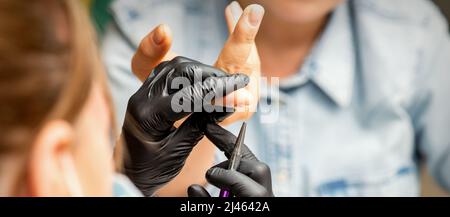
column 224, row 193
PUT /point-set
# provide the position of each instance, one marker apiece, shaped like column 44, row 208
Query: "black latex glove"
column 251, row 179
column 156, row 150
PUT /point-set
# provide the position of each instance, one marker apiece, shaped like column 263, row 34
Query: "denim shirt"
column 371, row 100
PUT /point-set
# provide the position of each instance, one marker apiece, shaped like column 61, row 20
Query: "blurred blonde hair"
column 48, row 64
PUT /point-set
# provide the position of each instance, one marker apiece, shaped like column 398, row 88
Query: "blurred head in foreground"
column 55, row 118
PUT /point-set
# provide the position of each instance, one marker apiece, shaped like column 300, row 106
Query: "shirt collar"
column 332, row 63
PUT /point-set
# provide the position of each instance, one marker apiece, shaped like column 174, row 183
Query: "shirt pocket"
column 400, row 181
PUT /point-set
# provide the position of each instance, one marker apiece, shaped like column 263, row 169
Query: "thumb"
column 152, row 50
column 237, row 52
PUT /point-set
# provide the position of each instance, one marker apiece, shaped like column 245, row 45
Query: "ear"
column 51, row 167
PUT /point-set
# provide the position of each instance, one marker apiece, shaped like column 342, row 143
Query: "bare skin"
column 283, row 54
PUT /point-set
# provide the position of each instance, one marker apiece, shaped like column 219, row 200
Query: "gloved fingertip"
column 221, row 116
column 220, row 137
column 211, row 172
column 242, row 77
column 197, row 191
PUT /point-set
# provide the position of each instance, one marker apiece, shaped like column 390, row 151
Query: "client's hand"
column 156, row 150
column 252, row 178
column 239, row 55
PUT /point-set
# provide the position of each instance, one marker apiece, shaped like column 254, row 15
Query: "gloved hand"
column 251, row 179
column 156, row 150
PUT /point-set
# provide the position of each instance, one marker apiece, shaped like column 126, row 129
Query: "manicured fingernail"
column 255, row 15
column 158, row 36
column 236, row 10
